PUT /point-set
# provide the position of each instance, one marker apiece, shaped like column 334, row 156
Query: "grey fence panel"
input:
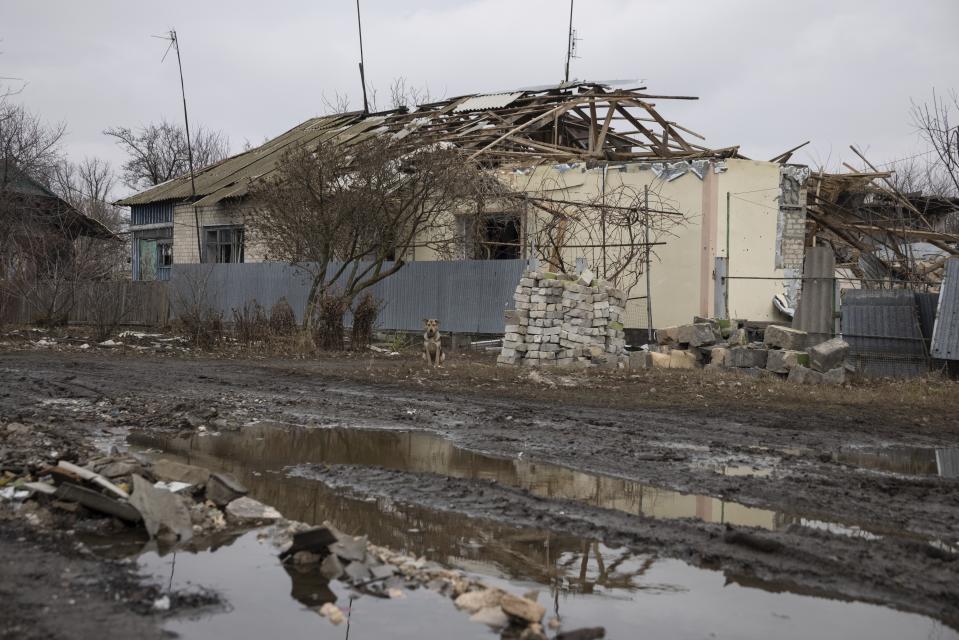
column 883, row 331
column 945, row 336
column 466, row 296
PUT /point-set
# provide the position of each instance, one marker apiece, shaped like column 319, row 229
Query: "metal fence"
column 884, row 332
column 466, row 296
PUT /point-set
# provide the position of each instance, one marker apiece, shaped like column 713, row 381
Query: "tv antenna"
column 359, row 28
column 175, row 45
column 570, row 41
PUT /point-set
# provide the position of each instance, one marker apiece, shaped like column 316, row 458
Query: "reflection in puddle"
column 273, row 447
column 583, row 582
column 943, row 462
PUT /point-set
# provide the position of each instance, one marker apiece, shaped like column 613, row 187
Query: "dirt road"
column 834, row 492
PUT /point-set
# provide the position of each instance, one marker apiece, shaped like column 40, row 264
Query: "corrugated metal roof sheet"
column 945, row 335
column 488, row 101
column 883, row 332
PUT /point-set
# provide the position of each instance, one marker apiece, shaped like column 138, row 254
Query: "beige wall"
column 681, row 274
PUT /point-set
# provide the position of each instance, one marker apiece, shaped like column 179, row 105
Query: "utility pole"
column 570, row 42
column 359, row 28
column 175, row 44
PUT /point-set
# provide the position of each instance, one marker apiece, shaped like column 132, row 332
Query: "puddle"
column 943, row 462
column 584, row 582
column 271, row 447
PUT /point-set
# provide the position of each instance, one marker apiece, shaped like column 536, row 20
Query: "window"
column 164, row 260
column 495, row 237
column 223, row 244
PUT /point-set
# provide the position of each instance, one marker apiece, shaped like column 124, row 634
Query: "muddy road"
column 844, row 505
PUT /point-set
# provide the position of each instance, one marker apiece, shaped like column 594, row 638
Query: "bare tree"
column 158, row 152
column 349, row 214
column 27, row 144
column 88, row 187
column 938, row 123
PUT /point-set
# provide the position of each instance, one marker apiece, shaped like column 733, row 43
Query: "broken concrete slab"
column 350, row 549
column 121, row 468
column 744, row 357
column 172, row 470
column 521, row 608
column 640, row 360
column 93, row 477
column 835, row 376
column 164, row 513
column 828, row 355
column 249, row 511
column 778, row 337
column 98, row 502
column 315, row 540
column 222, row 489
column 717, row 355
column 782, row 360
column 357, row 572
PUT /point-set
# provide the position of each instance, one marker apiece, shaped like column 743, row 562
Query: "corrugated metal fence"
column 884, row 333
column 466, row 296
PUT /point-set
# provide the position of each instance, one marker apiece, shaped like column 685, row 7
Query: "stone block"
column 778, row 337
column 828, row 355
column 744, row 357
column 697, row 335
column 718, row 356
column 667, row 335
column 835, row 376
column 783, row 360
column 804, row 375
column 640, row 360
column 679, row 359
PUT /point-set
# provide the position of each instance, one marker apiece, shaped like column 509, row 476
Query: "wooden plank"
column 602, row 132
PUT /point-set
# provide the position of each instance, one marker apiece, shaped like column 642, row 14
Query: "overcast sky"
column 769, row 74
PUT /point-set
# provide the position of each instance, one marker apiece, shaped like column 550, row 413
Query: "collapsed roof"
column 879, row 233
column 559, row 123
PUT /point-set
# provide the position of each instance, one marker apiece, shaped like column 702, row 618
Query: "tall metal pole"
column 189, row 145
column 359, row 28
column 649, row 293
column 569, row 41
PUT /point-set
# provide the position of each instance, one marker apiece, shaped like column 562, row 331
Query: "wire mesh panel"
column 884, row 335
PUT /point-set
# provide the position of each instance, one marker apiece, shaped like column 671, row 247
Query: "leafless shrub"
column 328, row 332
column 196, row 316
column 203, row 329
column 282, row 319
column 250, row 323
column 105, row 306
column 365, row 313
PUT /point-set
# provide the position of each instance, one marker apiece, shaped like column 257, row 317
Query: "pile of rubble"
column 564, row 320
column 380, row 572
column 712, row 344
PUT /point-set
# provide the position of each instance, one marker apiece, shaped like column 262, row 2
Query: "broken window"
column 495, row 237
column 223, row 244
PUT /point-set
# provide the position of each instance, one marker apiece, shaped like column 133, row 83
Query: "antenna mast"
column 570, row 42
column 359, row 28
column 175, row 43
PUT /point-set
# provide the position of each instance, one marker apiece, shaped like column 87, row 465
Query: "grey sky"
column 769, row 74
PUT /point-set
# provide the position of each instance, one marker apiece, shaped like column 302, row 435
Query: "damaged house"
column 599, row 179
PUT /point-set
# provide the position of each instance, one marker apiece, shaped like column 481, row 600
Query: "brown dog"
column 432, row 344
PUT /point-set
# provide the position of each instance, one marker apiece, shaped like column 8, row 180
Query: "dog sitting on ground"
column 432, row 343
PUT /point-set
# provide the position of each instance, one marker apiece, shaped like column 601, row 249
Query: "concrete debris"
column 246, row 510
column 741, row 357
column 331, row 568
column 828, row 355
column 93, row 477
column 804, row 375
column 179, row 472
column 782, row 361
column 222, row 489
column 474, row 601
column 173, row 486
column 315, row 540
column 164, row 514
column 98, row 502
column 522, row 609
column 777, row 337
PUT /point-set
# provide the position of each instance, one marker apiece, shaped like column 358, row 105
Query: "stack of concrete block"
column 783, row 352
column 562, row 320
